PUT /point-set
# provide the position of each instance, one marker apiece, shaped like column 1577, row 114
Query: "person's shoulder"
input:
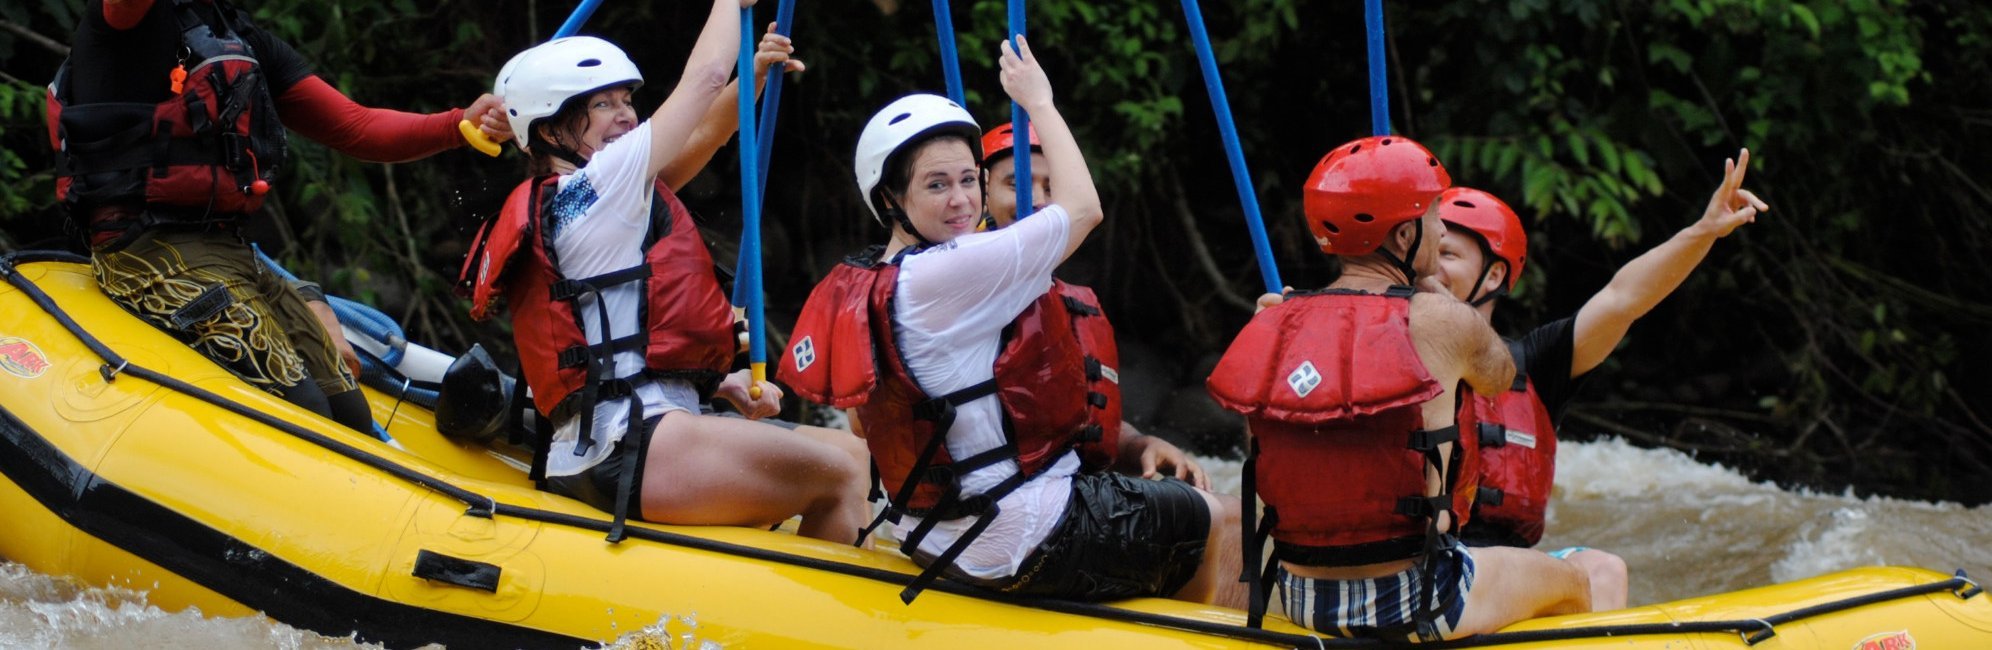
column 1437, row 310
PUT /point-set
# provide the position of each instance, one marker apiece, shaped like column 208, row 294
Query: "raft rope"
column 1753, row 631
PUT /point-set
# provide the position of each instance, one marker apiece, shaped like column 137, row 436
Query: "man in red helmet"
column 1483, row 254
column 999, row 176
column 1349, row 394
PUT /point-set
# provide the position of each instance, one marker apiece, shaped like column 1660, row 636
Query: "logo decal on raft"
column 22, row 359
column 1304, row 379
column 804, row 352
column 1898, row 640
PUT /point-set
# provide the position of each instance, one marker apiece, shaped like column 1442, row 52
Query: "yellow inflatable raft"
column 129, row 460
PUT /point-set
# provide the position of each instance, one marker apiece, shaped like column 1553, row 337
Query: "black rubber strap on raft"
column 482, row 576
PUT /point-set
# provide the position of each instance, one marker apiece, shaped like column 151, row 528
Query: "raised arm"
column 723, row 117
column 706, row 73
column 1646, row 280
column 1024, row 80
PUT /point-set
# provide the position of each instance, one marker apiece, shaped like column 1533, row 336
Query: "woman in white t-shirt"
column 1053, row 530
column 600, row 196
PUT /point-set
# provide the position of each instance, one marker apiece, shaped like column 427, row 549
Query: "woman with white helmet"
column 622, row 329
column 966, row 380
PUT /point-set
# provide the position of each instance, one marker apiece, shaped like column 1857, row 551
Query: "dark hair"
column 570, row 121
column 899, row 165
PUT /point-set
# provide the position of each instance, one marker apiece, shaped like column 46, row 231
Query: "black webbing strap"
column 1255, row 611
column 985, row 510
column 569, row 289
column 1078, row 308
column 578, row 355
column 1428, row 441
column 940, row 411
column 1492, row 434
column 626, row 475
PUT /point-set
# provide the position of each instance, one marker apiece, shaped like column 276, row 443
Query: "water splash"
column 38, row 611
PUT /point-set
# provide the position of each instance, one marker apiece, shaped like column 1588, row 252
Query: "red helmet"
column 1362, row 189
column 998, row 142
column 1499, row 229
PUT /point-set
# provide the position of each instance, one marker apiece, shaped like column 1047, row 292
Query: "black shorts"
column 1121, row 537
column 596, row 486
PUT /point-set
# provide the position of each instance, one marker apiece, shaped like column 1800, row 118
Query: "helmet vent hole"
column 1354, row 149
column 513, row 111
column 1463, row 204
column 900, row 118
column 1431, row 161
column 1330, row 226
column 1386, row 142
column 588, row 63
column 1364, row 217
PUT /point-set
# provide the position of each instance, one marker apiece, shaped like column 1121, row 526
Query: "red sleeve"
column 126, row 14
column 320, row 112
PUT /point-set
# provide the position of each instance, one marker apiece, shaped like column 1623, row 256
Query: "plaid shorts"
column 1380, row 607
column 208, row 290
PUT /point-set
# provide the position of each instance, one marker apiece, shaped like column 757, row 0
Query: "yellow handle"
column 475, row 137
column 760, row 371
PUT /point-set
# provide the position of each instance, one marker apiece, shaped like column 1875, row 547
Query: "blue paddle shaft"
column 1379, row 86
column 1020, row 124
column 576, row 19
column 1220, row 104
column 750, row 200
column 950, row 62
column 784, row 16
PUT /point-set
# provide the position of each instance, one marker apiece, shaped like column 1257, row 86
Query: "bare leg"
column 1608, row 578
column 708, row 470
column 1514, row 584
column 1216, row 581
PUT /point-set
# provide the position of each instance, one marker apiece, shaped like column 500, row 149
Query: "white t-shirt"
column 951, row 305
column 599, row 217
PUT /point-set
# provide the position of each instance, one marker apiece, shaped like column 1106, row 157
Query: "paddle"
column 1379, row 87
column 950, row 63
column 474, row 135
column 1020, row 123
column 1240, row 176
column 750, row 209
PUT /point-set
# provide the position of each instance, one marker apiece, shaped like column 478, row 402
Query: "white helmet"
column 907, row 119
column 536, row 82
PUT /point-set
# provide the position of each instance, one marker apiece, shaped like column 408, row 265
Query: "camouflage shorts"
column 208, row 290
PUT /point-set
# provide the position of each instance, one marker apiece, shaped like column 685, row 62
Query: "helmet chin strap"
column 1474, row 297
column 1403, row 264
column 898, row 216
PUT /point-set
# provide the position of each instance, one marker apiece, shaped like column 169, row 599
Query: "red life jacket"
column 844, row 353
column 1517, row 466
column 1332, row 385
column 205, row 155
column 1102, row 359
column 687, row 328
